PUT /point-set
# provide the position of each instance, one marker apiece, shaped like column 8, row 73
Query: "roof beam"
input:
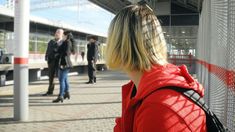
column 113, row 6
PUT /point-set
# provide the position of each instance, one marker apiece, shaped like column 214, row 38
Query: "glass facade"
column 2, row 39
column 38, row 43
column 181, row 40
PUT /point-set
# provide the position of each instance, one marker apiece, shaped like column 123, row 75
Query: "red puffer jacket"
column 163, row 110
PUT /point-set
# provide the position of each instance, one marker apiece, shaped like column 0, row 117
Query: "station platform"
column 92, row 107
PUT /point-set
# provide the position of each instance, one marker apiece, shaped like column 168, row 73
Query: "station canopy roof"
column 115, row 6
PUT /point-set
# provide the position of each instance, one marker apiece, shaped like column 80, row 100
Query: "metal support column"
column 21, row 48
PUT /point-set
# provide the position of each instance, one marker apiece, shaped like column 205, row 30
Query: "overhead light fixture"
column 183, row 32
column 168, row 35
column 186, row 39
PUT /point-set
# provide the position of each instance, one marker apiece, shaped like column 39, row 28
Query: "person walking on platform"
column 65, row 64
column 1, row 54
column 52, row 59
column 136, row 45
column 92, row 56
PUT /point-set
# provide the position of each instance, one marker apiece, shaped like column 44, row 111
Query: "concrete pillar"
column 21, row 48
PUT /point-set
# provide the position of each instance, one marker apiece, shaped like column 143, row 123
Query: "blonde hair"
column 135, row 40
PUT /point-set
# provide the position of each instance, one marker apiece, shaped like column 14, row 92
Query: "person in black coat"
column 52, row 59
column 1, row 54
column 92, row 56
column 65, row 64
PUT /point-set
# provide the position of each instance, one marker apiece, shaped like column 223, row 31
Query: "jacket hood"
column 168, row 75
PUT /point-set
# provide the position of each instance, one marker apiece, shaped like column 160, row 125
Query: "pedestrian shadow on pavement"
column 40, row 95
column 46, row 104
column 6, row 100
column 11, row 120
column 5, row 120
column 31, row 95
column 88, row 86
column 96, row 93
column 38, row 83
column 115, row 76
column 6, row 96
column 77, row 83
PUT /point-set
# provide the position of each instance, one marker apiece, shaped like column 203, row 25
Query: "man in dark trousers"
column 92, row 55
column 52, row 58
column 1, row 54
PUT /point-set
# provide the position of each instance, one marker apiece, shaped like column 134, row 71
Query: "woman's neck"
column 135, row 76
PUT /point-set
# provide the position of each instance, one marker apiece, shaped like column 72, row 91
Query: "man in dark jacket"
column 1, row 54
column 52, row 58
column 92, row 55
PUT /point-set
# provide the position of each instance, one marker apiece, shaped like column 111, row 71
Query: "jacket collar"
column 158, row 77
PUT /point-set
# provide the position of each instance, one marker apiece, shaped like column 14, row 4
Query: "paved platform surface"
column 92, row 108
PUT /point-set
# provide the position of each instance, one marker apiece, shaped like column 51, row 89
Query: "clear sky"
column 85, row 15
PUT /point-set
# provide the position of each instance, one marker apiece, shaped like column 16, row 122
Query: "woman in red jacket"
column 136, row 45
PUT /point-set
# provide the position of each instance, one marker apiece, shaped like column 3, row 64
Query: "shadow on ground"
column 12, row 121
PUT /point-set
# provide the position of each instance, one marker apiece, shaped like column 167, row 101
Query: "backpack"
column 213, row 124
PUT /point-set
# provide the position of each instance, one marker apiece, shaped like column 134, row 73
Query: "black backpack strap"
column 191, row 94
column 213, row 123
